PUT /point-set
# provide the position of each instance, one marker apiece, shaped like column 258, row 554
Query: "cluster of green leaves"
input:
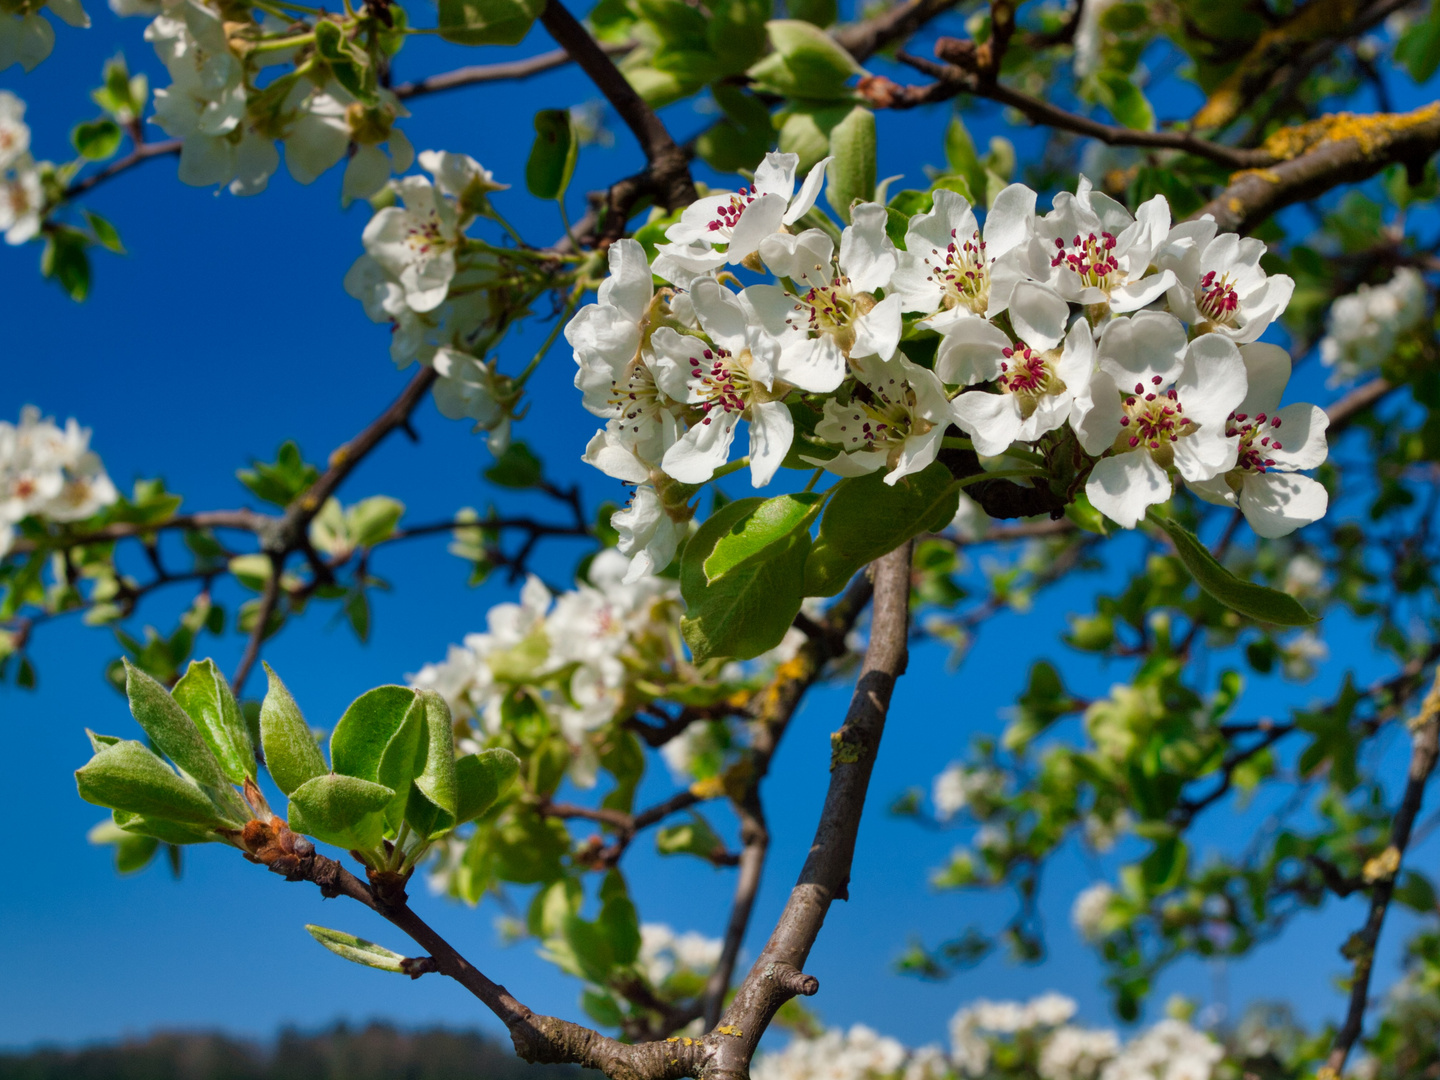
column 393, row 787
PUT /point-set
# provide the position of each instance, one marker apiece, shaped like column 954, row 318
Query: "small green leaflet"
column 356, row 949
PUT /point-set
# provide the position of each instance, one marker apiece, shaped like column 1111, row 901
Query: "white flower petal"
column 1276, row 504
column 771, row 431
column 971, row 352
column 1038, row 314
column 1125, row 486
column 991, row 420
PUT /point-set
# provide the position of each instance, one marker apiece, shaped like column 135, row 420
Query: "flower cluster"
column 667, row 957
column 958, row 787
column 229, row 125
column 1126, row 344
column 1003, row 1039
column 424, row 277
column 22, row 195
column 1363, row 327
column 48, row 472
column 575, row 658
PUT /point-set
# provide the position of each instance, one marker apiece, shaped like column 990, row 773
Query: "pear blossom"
column 1170, row 1050
column 1274, row 444
column 461, row 177
column 606, row 335
column 838, row 304
column 22, row 199
column 951, row 270
column 1090, row 909
column 1076, row 1053
column 741, row 220
column 647, row 533
column 14, row 134
column 895, row 419
column 1219, row 285
column 731, row 377
column 417, row 242
column 383, row 298
column 205, row 102
column 1039, row 379
column 1362, row 328
column 1093, row 252
column 1157, row 405
column 49, row 472
column 468, row 389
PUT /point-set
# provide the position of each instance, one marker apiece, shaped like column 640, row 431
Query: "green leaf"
column 742, row 138
column 281, row 481
column 171, row 728
column 356, row 949
column 807, row 62
column 618, row 920
column 1126, row 101
column 852, row 173
column 291, row 753
column 132, row 853
column 820, row 12
column 97, row 139
column 366, row 735
column 867, row 518
column 431, row 807
column 105, row 233
column 65, row 260
column 1415, row 892
column 735, row 33
column 517, row 468
column 480, row 781
column 694, row 837
column 488, row 22
column 168, row 832
column 770, row 522
column 1418, row 50
column 1251, row 600
column 205, row 695
column 127, row 776
column 1164, row 867
column 805, row 131
column 372, row 520
column 962, row 160
column 552, row 155
column 745, row 610
column 341, row 810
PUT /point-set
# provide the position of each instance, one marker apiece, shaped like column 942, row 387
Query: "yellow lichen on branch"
column 1372, row 132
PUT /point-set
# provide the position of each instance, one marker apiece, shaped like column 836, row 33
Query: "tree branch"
column 776, row 976
column 268, row 599
column 667, row 164
column 543, row 1039
column 476, row 74
column 1314, row 157
column 142, row 153
column 863, row 39
column 1383, row 871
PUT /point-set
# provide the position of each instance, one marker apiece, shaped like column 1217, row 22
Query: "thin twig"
column 142, row 153
column 477, row 74
column 268, row 599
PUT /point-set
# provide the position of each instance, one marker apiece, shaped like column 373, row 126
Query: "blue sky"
column 224, row 331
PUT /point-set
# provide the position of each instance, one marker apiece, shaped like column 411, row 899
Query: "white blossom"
column 1076, row 1053
column 957, row 787
column 1094, row 253
column 950, row 271
column 14, row 134
column 22, row 199
column 1219, row 285
column 857, row 1054
column 740, row 220
column 837, row 306
column 647, row 533
column 664, row 953
column 1274, row 444
column 1158, row 405
column 49, row 472
column 1363, row 327
column 205, row 102
column 1170, row 1050
column 1039, row 381
column 731, row 378
column 895, row 420
column 1090, row 910
column 417, row 242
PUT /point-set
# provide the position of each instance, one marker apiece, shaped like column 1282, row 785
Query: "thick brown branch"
column 826, row 873
column 476, row 74
column 1314, row 157
column 668, row 164
column 537, row 1038
column 1383, row 871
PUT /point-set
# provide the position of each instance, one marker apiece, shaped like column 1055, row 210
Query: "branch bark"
column 477, row 74
column 1383, row 871
column 776, row 976
column 667, row 164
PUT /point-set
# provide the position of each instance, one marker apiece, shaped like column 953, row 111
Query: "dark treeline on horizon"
column 375, row 1051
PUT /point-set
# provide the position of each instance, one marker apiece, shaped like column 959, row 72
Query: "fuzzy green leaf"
column 128, row 776
column 205, row 695
column 171, row 728
column 341, row 810
column 291, row 753
column 480, row 781
column 356, row 949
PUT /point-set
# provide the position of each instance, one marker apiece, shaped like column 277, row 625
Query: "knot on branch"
column 792, row 980
column 1001, row 498
column 274, row 846
column 387, row 885
column 415, row 966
